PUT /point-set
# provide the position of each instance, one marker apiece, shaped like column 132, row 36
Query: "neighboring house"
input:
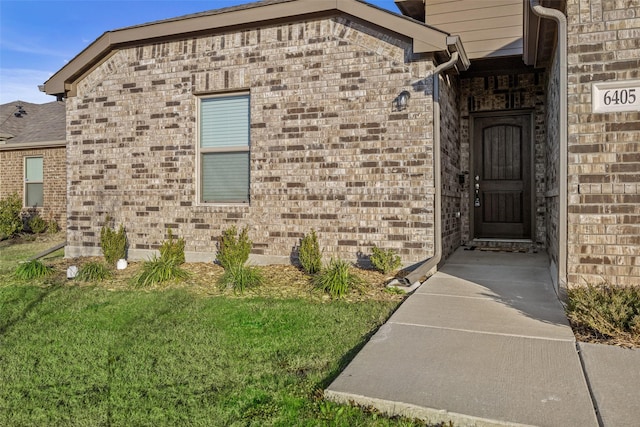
column 33, row 157
column 292, row 115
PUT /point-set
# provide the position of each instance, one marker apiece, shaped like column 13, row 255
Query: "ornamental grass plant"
column 33, row 269
column 336, row 278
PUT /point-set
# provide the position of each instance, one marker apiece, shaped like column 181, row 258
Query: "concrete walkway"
column 485, row 342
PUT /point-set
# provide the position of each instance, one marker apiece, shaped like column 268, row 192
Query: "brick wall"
column 552, row 166
column 604, row 148
column 451, row 166
column 327, row 149
column 506, row 92
column 55, row 182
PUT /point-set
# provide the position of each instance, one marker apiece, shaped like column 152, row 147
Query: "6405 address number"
column 620, row 97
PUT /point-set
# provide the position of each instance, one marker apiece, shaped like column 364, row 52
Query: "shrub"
column 233, row 249
column 93, row 272
column 37, row 225
column 385, row 261
column 159, row 270
column 52, row 226
column 10, row 219
column 336, row 278
column 309, row 255
column 173, row 249
column 33, row 269
column 612, row 312
column 113, row 243
column 239, row 277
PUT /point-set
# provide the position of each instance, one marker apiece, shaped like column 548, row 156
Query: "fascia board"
column 32, row 145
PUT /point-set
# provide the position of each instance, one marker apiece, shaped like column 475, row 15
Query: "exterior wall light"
column 402, row 101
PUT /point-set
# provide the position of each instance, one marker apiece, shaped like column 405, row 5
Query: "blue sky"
column 37, row 38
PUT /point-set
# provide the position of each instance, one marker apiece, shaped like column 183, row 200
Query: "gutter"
column 561, row 20
column 413, row 279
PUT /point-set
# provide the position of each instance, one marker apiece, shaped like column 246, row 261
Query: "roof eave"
column 8, row 146
column 425, row 38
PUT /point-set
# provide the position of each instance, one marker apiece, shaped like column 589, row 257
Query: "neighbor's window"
column 224, row 149
column 33, row 181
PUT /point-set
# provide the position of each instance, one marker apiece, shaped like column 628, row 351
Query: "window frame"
column 27, row 182
column 201, row 152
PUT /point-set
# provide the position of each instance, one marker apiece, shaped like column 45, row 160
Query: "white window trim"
column 200, row 151
column 25, row 182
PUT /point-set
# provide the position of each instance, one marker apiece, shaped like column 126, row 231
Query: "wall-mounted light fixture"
column 402, row 101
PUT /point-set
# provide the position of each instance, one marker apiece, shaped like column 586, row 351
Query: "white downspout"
column 413, row 279
column 561, row 20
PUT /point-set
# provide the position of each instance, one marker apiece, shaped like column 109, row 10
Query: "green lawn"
column 89, row 356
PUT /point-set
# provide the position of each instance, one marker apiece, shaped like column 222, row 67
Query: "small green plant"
column 10, row 219
column 385, row 261
column 52, row 226
column 113, row 243
column 159, row 270
column 336, row 278
column 309, row 253
column 173, row 249
column 394, row 291
column 33, row 269
column 234, row 249
column 610, row 312
column 93, row 271
column 240, row 277
column 37, row 225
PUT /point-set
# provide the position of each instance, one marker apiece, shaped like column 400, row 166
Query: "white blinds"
column 224, row 122
column 224, row 147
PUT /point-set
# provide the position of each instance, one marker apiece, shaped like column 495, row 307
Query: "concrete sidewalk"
column 483, row 342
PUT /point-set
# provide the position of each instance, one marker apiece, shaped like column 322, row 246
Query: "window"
column 224, row 149
column 33, row 181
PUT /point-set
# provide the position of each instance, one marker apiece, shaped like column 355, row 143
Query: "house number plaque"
column 611, row 97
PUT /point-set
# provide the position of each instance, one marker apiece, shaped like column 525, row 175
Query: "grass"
column 21, row 249
column 31, row 270
column 336, row 278
column 89, row 355
column 93, row 271
column 159, row 270
column 240, row 277
column 86, row 356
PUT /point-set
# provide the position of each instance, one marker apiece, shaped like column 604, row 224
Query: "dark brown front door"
column 501, row 179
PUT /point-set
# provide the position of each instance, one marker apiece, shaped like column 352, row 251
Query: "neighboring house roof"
column 25, row 125
column 425, row 38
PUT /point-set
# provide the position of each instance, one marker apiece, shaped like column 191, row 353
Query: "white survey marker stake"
column 612, row 97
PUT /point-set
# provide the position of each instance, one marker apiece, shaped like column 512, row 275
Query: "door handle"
column 476, row 202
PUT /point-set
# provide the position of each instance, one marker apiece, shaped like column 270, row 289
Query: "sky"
column 38, row 37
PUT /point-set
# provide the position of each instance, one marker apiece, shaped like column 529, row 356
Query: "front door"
column 501, row 177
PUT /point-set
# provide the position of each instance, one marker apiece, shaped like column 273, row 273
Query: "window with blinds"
column 224, row 149
column 33, row 182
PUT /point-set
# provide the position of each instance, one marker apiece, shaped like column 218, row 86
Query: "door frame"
column 530, row 113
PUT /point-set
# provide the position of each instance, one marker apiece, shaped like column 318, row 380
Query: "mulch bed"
column 280, row 281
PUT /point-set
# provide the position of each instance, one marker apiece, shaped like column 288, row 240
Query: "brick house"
column 33, row 157
column 419, row 131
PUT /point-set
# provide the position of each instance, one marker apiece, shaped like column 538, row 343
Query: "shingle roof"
column 39, row 123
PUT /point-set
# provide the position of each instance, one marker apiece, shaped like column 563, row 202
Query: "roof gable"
column 425, row 38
